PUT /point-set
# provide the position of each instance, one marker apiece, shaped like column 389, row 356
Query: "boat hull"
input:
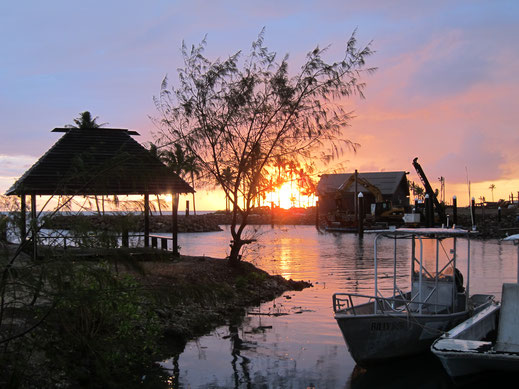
column 471, row 347
column 372, row 339
column 466, row 364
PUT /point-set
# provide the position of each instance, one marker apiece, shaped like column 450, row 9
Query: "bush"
column 102, row 332
column 106, row 327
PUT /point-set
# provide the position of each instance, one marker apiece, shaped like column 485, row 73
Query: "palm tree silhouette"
column 228, row 177
column 159, row 154
column 86, row 121
column 183, row 165
column 492, row 187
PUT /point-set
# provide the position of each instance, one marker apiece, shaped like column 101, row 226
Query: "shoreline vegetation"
column 110, row 317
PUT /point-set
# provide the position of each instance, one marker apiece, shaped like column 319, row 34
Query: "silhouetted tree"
column 492, row 187
column 85, row 121
column 246, row 114
column 183, row 164
column 159, row 154
column 417, row 190
column 228, row 177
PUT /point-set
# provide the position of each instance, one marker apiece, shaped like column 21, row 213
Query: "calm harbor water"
column 301, row 346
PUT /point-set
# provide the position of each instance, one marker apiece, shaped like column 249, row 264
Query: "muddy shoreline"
column 194, row 295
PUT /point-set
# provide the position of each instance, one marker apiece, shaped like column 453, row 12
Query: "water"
column 305, row 347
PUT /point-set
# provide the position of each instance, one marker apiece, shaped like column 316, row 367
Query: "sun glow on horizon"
column 288, row 196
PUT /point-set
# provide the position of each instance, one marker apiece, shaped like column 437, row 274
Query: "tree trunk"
column 97, row 205
column 236, row 243
column 158, row 202
column 234, row 256
column 193, row 186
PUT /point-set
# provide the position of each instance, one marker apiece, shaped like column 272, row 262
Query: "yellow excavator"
column 383, row 208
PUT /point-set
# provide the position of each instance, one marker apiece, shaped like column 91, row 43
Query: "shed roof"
column 98, row 161
column 386, row 182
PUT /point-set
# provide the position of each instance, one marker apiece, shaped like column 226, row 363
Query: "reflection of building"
column 392, row 186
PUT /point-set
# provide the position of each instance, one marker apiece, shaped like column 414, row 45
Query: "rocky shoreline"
column 488, row 224
column 193, row 223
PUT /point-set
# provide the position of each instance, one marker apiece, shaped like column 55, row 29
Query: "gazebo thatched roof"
column 98, row 161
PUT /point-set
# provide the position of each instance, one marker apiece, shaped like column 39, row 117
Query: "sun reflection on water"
column 304, row 345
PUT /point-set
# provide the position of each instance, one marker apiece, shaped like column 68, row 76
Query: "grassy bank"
column 195, row 294
column 103, row 323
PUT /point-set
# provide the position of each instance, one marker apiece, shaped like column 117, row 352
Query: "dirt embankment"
column 196, row 294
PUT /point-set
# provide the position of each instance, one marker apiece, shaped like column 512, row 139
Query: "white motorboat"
column 377, row 328
column 488, row 341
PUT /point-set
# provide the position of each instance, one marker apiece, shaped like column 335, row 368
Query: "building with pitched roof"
column 392, row 185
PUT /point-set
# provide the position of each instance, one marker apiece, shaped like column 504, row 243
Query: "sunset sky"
column 446, row 89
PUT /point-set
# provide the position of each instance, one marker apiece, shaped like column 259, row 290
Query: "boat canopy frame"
column 343, row 301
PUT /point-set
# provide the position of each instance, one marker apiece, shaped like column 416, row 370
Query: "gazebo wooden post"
column 146, row 220
column 174, row 220
column 34, row 227
column 23, row 221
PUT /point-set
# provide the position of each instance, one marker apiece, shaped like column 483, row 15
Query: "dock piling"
column 428, row 216
column 454, row 210
column 473, row 212
column 360, row 220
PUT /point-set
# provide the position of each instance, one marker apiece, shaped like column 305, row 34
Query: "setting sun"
column 289, row 195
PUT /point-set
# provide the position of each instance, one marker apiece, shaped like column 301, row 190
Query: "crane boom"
column 365, row 183
column 428, row 189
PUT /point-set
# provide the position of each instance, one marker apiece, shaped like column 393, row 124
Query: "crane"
column 428, row 189
column 362, row 181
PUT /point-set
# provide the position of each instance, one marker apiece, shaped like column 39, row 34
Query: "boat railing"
column 345, row 302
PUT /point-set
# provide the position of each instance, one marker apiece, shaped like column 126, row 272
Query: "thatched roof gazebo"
column 99, row 161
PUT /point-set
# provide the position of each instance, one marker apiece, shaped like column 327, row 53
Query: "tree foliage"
column 86, row 121
column 418, row 191
column 247, row 111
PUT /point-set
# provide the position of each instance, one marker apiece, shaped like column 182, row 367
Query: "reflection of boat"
column 421, row 371
column 378, row 328
column 487, row 341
